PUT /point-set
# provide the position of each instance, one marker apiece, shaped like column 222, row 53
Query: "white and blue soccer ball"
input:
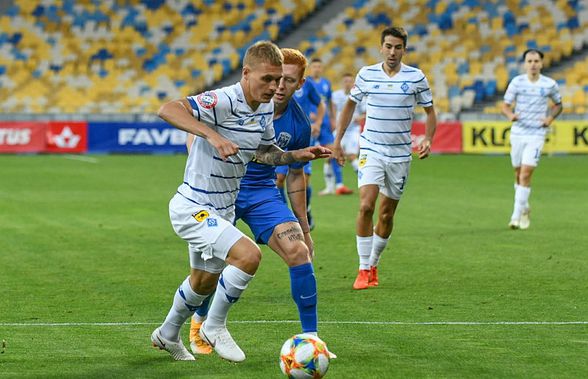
column 304, row 356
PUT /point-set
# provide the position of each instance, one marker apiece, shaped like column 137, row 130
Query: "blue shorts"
column 326, row 136
column 262, row 209
column 284, row 169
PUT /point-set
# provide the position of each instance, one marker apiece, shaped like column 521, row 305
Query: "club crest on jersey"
column 200, row 216
column 262, row 121
column 283, row 139
column 207, row 99
column 404, row 87
column 212, row 222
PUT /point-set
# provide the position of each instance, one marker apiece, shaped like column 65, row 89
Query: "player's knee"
column 297, row 254
column 366, row 209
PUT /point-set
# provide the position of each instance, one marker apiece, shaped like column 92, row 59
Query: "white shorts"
column 209, row 236
column 391, row 177
column 526, row 150
column 350, row 142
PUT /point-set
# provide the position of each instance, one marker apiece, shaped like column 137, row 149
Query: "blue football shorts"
column 262, row 209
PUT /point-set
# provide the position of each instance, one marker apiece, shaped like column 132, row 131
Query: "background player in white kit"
column 391, row 90
column 531, row 119
column 350, row 141
column 233, row 126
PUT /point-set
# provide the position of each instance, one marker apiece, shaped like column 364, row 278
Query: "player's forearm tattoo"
column 292, row 234
column 275, row 157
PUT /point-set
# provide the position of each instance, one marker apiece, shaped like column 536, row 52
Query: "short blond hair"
column 263, row 52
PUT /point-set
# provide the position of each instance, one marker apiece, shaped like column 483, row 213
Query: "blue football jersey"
column 308, row 98
column 323, row 87
column 292, row 131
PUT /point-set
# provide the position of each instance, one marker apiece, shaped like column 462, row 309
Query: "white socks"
column 329, row 176
column 185, row 303
column 379, row 244
column 521, row 201
column 231, row 284
column 364, row 249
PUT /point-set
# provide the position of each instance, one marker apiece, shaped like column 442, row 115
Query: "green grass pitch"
column 89, row 264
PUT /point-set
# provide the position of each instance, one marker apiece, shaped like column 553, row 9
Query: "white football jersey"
column 390, row 103
column 208, row 180
column 531, row 103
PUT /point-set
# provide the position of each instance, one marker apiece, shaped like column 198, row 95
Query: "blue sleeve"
column 313, row 94
column 302, row 136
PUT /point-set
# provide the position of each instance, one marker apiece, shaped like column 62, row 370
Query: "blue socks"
column 303, row 287
column 337, row 171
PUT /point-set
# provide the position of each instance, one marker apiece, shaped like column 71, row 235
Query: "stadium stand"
column 91, row 56
column 469, row 49
column 94, row 56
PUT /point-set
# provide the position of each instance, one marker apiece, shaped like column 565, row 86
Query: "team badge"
column 207, row 99
column 362, row 160
column 283, row 139
column 262, row 121
column 404, row 87
column 212, row 222
column 201, row 216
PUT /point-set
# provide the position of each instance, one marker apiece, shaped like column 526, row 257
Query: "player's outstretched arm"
column 179, row 113
column 430, row 128
column 273, row 155
column 343, row 120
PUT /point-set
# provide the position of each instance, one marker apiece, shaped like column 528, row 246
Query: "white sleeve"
column 359, row 90
column 424, row 96
column 211, row 107
column 510, row 95
column 554, row 94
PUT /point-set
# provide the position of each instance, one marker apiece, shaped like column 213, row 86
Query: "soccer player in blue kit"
column 260, row 204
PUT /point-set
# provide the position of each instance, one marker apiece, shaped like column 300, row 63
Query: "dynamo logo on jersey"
column 283, row 139
column 211, row 222
column 262, row 121
column 404, row 87
column 207, row 99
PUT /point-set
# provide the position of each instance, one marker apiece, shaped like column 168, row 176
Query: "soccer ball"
column 304, row 356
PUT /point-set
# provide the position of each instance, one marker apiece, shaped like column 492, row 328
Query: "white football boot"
column 525, row 221
column 514, row 224
column 221, row 341
column 176, row 349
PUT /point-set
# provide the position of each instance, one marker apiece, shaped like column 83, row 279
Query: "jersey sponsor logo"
column 283, row 139
column 212, row 222
column 201, row 216
column 362, row 160
column 207, row 99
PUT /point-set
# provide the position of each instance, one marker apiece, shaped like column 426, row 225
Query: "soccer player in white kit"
column 391, row 90
column 350, row 141
column 233, row 125
column 531, row 119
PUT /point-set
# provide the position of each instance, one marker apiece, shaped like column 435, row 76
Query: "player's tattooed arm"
column 273, row 155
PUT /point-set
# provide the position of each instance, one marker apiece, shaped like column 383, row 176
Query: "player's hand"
column 515, row 117
column 338, row 154
column 311, row 153
column 310, row 244
column 547, row 121
column 225, row 147
column 424, row 148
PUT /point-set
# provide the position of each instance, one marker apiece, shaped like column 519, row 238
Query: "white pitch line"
column 81, row 158
column 466, row 323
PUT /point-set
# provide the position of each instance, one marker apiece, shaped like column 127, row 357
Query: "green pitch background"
column 90, row 242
